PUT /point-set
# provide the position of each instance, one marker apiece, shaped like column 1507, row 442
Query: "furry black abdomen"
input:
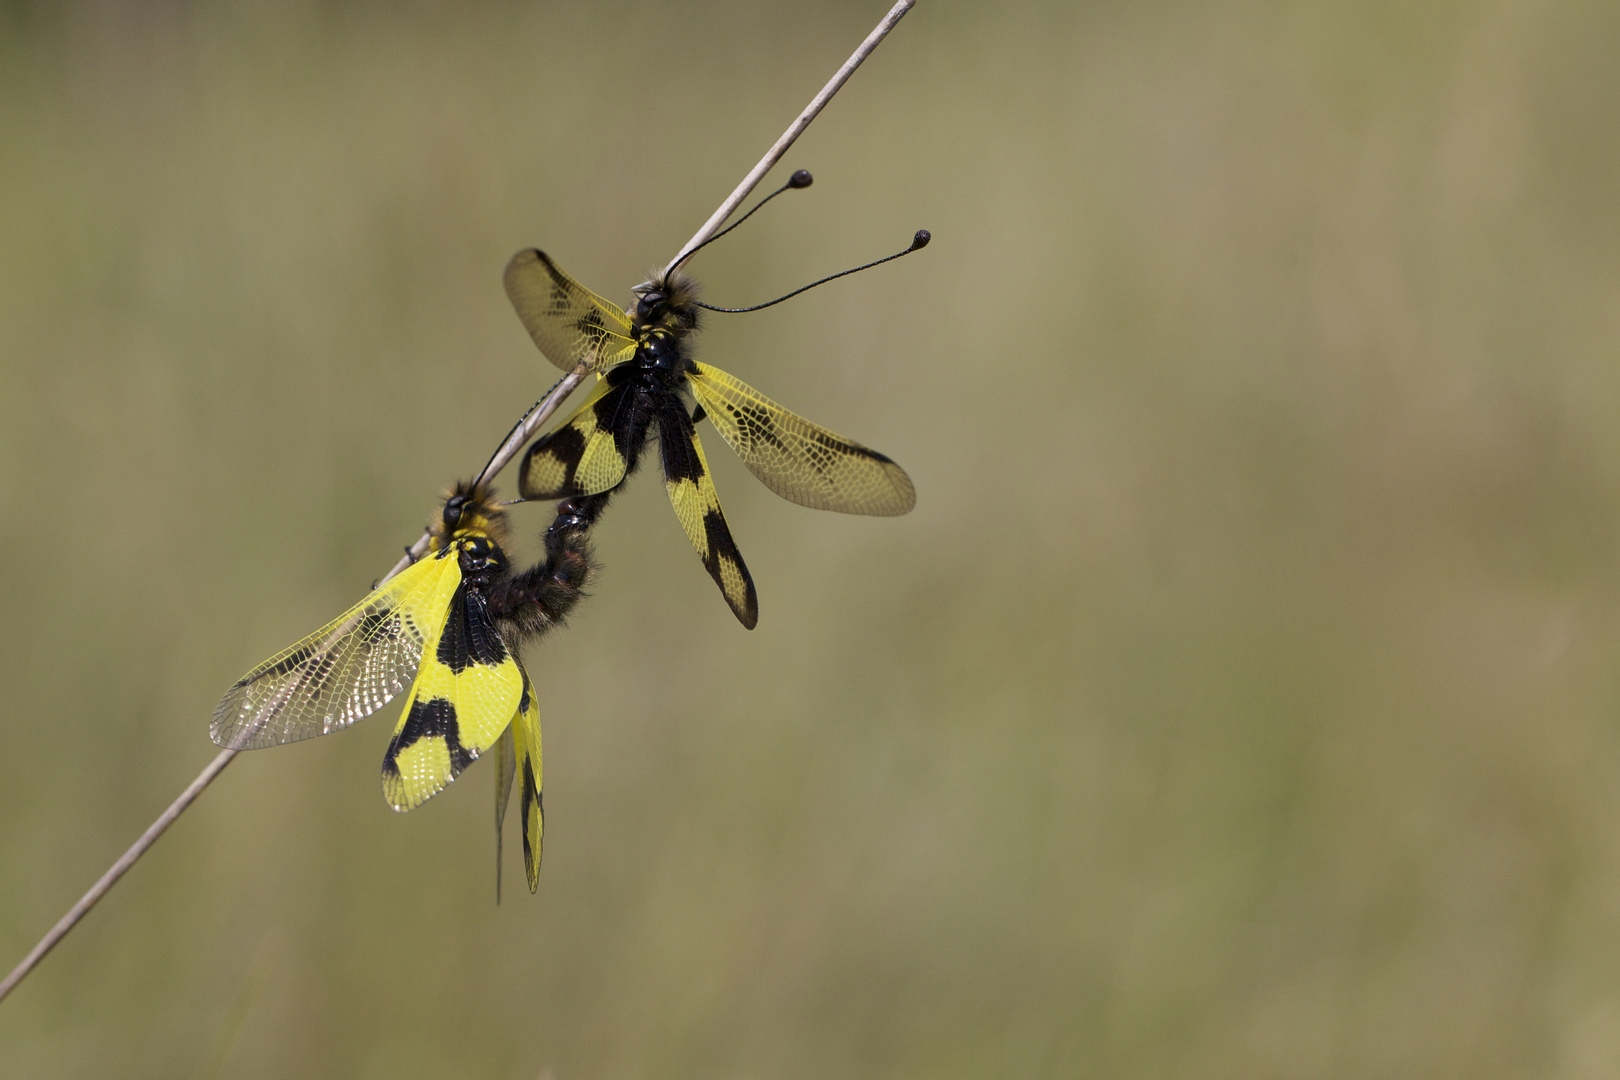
column 526, row 605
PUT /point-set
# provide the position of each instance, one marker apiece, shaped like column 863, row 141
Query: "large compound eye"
column 651, row 302
column 453, row 509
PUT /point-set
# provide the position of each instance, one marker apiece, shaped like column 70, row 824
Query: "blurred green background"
column 1241, row 700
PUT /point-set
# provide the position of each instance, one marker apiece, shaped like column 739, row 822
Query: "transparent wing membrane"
column 800, row 461
column 343, row 672
column 570, row 324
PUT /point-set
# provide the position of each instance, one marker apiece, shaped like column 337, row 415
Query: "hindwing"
column 518, row 759
column 526, row 732
column 581, row 456
column 570, row 324
column 800, row 461
column 505, row 773
column 343, row 672
column 697, row 505
column 466, row 690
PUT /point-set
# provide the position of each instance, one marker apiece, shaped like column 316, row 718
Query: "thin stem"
column 116, row 871
column 794, row 130
column 520, row 434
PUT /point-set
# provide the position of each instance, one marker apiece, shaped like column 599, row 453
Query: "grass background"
column 1242, row 698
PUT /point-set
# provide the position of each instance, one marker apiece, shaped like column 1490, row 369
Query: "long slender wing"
column 691, row 492
column 800, row 461
column 518, row 754
column 526, row 737
column 466, row 690
column 505, row 772
column 580, row 457
column 571, row 324
column 344, row 671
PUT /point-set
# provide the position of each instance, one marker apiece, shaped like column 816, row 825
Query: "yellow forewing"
column 570, row 324
column 452, row 716
column 800, row 461
column 698, row 507
column 580, row 456
column 343, row 672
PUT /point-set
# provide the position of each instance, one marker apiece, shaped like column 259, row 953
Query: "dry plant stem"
column 116, row 871
column 796, row 128
column 521, row 434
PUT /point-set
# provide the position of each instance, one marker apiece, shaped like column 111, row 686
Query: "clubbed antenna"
column 800, row 179
column 917, row 243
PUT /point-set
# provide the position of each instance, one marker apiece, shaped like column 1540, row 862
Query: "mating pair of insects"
column 452, row 623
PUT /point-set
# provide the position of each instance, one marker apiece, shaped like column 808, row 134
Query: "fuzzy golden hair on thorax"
column 469, row 508
column 680, row 293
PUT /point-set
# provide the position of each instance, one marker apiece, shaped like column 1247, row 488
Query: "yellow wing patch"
column 570, row 324
column 800, row 461
column 343, row 672
column 466, row 690
column 580, row 457
column 697, row 505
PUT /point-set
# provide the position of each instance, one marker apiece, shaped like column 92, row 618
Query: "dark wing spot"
column 591, row 326
column 843, row 446
column 723, row 553
column 565, row 447
column 675, row 434
column 530, row 796
column 432, row 719
column 755, row 426
column 624, row 412
column 561, row 293
column 294, row 660
column 469, row 633
column 719, row 540
column 371, row 626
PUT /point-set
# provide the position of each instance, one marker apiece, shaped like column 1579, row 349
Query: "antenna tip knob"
column 801, row 179
column 920, row 240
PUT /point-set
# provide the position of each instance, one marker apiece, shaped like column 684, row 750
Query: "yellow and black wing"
column 571, row 324
column 466, row 690
column 697, row 505
column 518, row 759
column 580, row 457
column 800, row 461
column 343, row 672
column 505, row 773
